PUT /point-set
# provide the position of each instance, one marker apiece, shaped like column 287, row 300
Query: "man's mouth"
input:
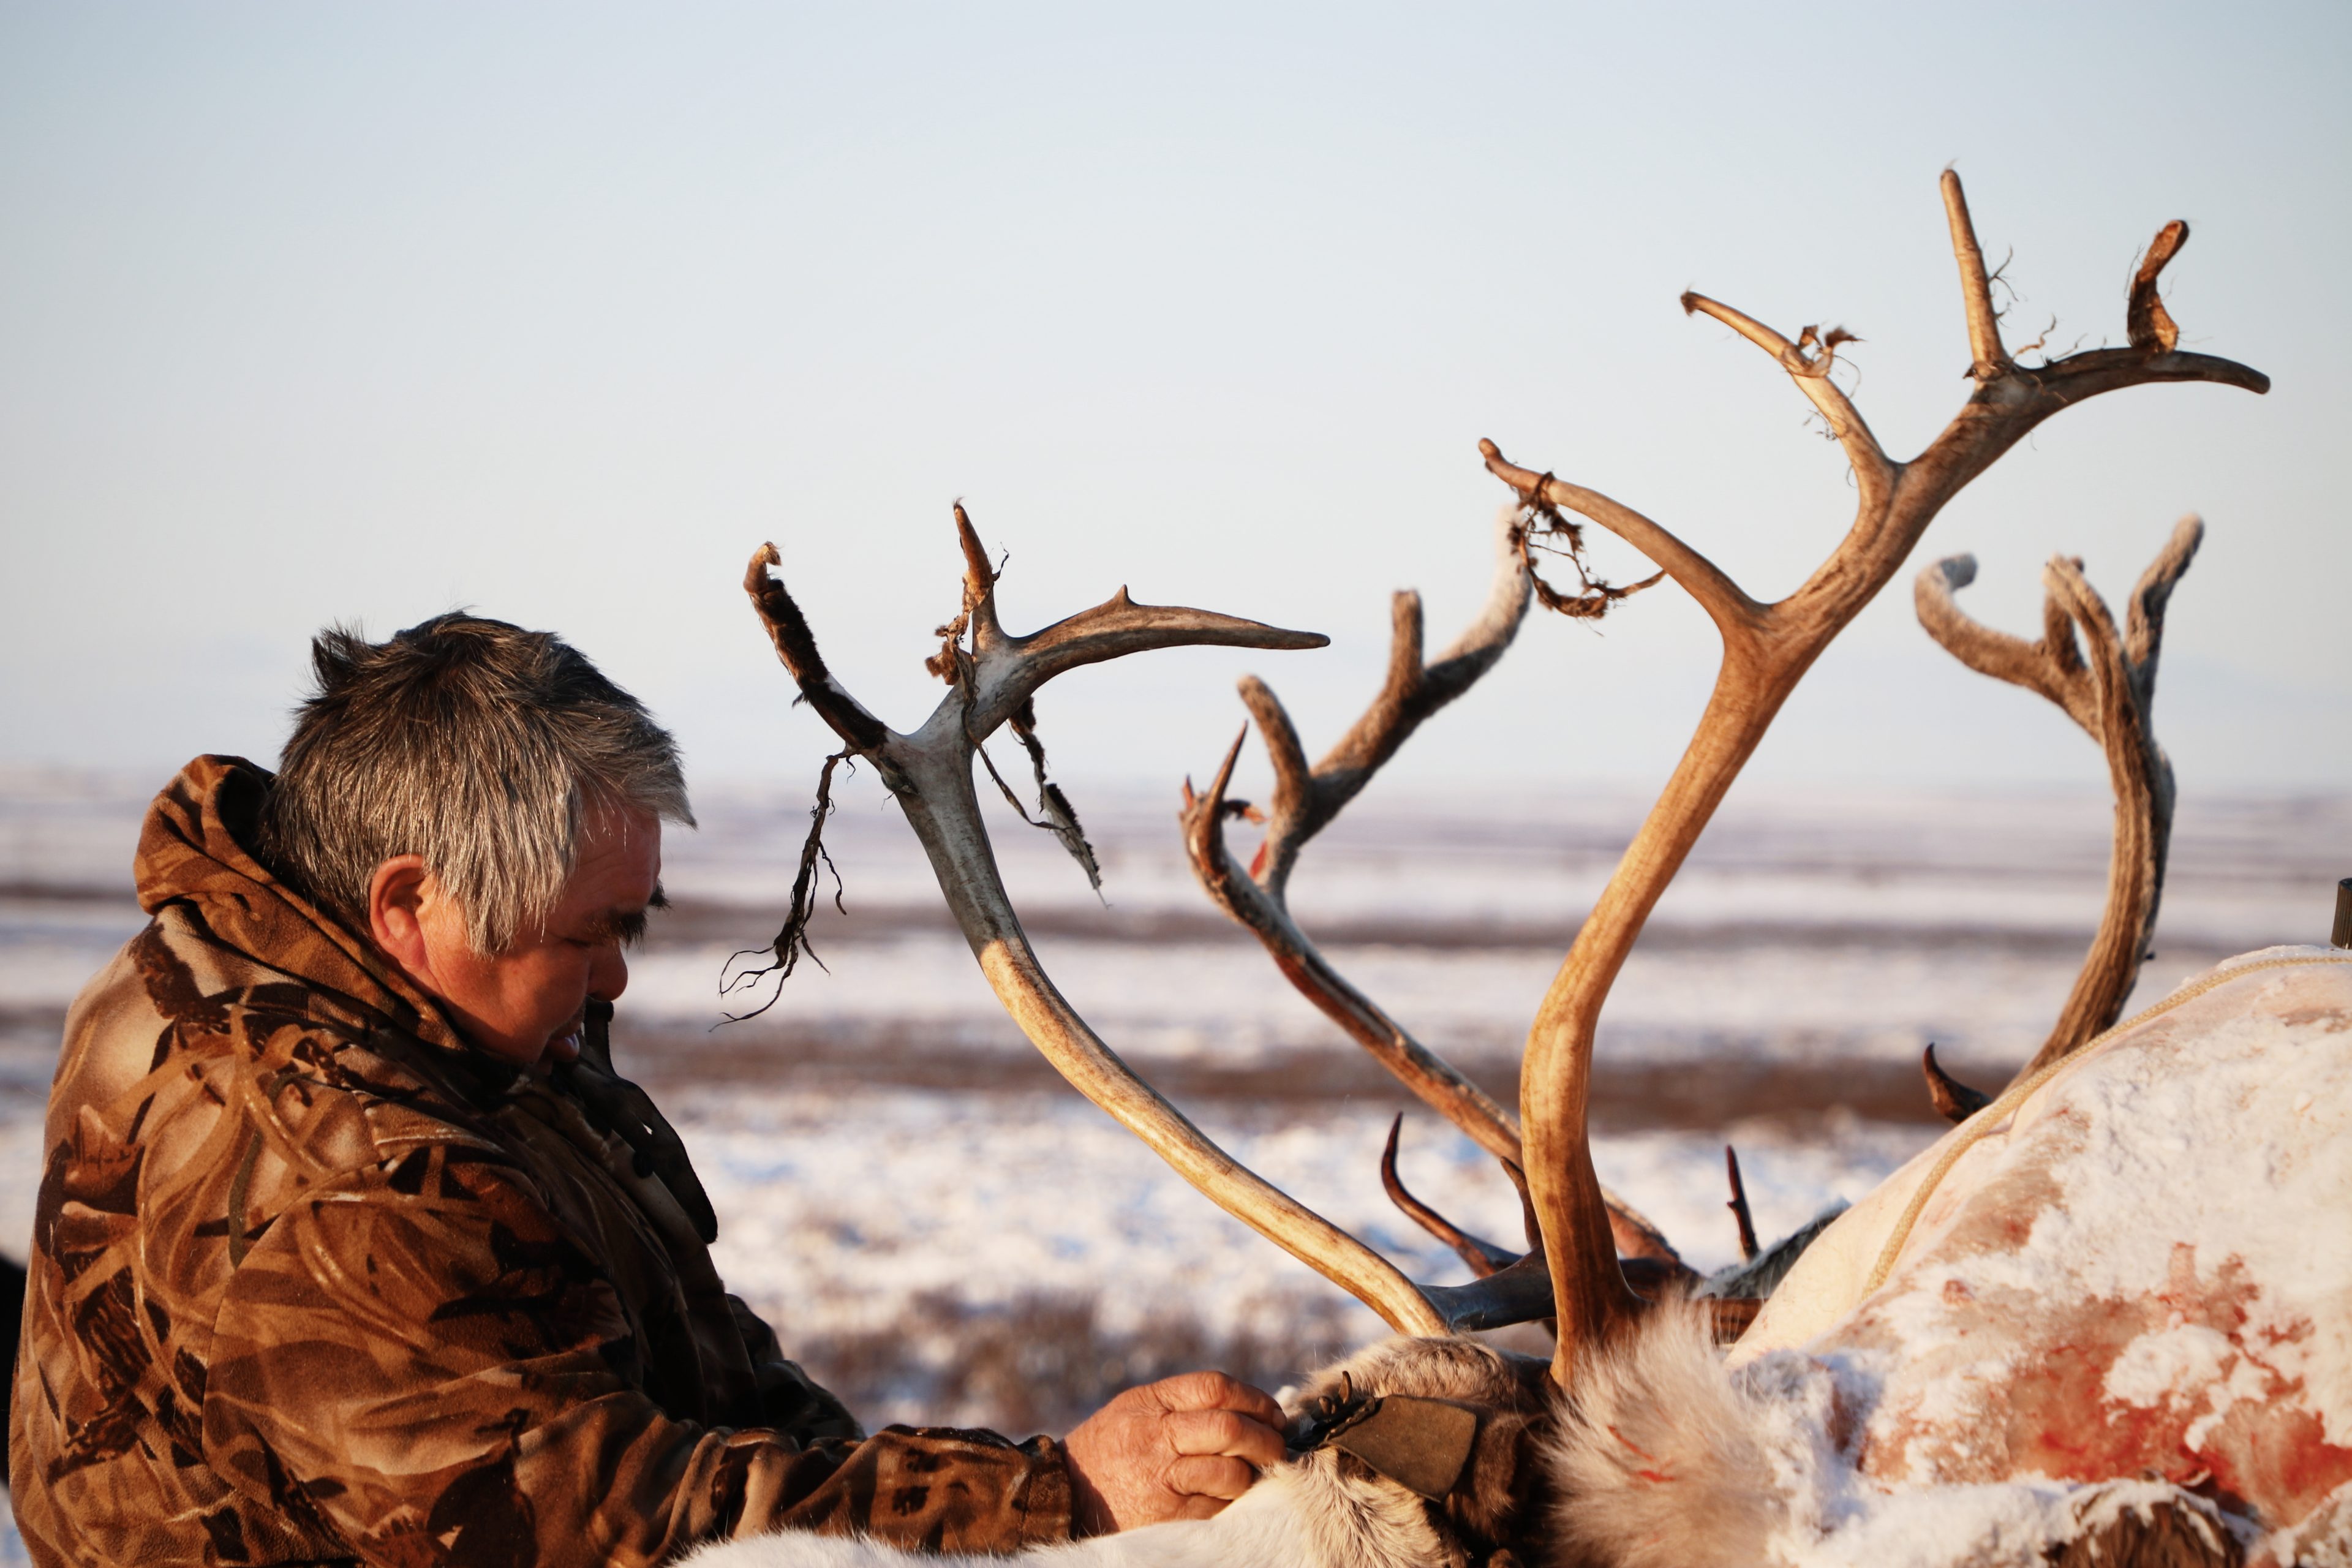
column 563, row 1046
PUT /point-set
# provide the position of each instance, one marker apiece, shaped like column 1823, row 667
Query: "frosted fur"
column 2161, row 1212
column 1828, row 1283
column 1662, row 1458
column 1666, row 1460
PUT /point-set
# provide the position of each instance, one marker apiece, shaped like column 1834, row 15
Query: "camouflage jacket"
column 312, row 1281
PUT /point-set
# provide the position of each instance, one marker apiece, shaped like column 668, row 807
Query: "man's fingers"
column 1215, row 1391
column 1195, row 1508
column 1259, row 1406
column 1210, row 1476
column 1223, row 1432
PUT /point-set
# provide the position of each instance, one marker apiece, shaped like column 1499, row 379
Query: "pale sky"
column 358, row 313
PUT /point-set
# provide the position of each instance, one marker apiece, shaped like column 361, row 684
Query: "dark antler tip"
column 1955, row 1101
column 756, row 581
column 1691, row 298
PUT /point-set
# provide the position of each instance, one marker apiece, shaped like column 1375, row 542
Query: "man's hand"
column 1180, row 1449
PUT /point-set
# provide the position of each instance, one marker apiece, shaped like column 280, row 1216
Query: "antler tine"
column 978, row 586
column 1009, row 675
column 2144, row 620
column 1733, row 613
column 1954, row 1100
column 1874, row 471
column 1395, row 712
column 1991, row 360
column 931, row 772
column 1203, row 819
column 1411, row 692
column 1483, row 1255
column 2147, row 325
column 1291, row 816
column 2011, row 399
column 2051, row 666
column 1417, row 689
column 1515, row 1287
column 2106, row 683
column 788, row 629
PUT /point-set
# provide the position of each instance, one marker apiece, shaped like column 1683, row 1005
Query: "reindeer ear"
column 1420, row 1444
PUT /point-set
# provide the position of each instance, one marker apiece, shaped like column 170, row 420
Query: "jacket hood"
column 194, row 850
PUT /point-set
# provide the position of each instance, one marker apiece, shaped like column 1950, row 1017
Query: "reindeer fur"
column 1660, row 1460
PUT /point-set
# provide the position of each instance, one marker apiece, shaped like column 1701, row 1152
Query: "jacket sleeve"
column 438, row 1375
column 791, row 1401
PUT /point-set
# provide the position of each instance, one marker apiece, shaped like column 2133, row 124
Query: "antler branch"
column 1306, row 801
column 788, row 629
column 931, row 772
column 1767, row 650
column 2108, row 691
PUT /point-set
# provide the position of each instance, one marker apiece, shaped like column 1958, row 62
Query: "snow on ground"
column 838, row 1210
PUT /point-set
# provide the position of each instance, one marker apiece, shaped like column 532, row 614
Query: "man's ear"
column 396, row 904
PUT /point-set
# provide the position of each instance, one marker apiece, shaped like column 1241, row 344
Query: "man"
column 345, row 1251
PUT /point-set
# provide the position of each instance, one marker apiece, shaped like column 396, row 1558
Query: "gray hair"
column 473, row 743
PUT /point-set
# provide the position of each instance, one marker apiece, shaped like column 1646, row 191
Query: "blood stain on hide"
column 2261, row 1451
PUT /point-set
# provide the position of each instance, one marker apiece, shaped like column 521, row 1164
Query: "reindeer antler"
column 1306, row 801
column 993, row 679
column 1767, row 648
column 2109, row 695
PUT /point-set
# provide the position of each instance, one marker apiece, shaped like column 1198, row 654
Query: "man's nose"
column 608, row 973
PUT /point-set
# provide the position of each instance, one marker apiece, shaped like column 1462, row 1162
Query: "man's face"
column 527, row 1004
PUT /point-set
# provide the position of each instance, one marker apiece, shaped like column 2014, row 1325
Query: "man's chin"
column 563, row 1048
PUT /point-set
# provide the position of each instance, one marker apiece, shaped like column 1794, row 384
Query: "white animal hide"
column 1268, row 1528
column 2145, row 1271
column 1665, row 1459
